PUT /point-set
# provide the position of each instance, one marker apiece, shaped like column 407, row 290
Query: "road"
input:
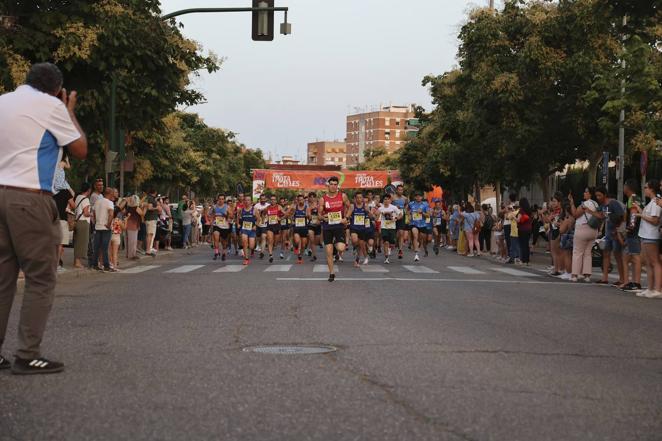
column 463, row 351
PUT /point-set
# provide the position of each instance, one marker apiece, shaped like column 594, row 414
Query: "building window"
column 397, row 122
column 387, row 121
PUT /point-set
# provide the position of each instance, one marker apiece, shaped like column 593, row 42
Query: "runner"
column 239, row 205
column 249, row 217
column 314, row 226
column 333, row 222
column 274, row 216
column 401, row 201
column 220, row 214
column 389, row 215
column 374, row 237
column 418, row 210
column 438, row 224
column 359, row 217
column 285, row 228
column 261, row 232
column 299, row 216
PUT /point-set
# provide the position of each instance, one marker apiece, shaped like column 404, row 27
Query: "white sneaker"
column 416, row 258
column 365, row 261
column 386, row 261
column 565, row 276
column 241, row 253
column 655, row 295
column 61, row 269
column 644, row 293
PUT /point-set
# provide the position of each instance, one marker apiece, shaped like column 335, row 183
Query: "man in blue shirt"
column 419, row 213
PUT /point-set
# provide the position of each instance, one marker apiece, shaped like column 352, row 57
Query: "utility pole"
column 621, row 125
column 497, row 184
column 491, row 4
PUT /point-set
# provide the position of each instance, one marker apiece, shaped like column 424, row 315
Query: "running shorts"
column 334, row 235
column 316, row 229
column 388, row 236
column 362, row 234
column 261, row 230
column 421, row 230
column 225, row 233
column 275, row 228
column 248, row 233
column 400, row 224
column 303, row 232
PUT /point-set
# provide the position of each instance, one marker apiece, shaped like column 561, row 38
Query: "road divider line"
column 139, row 269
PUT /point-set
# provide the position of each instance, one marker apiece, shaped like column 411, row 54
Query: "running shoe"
column 36, row 366
column 340, row 258
column 261, row 255
column 246, row 261
column 299, row 259
column 386, row 261
column 400, row 254
column 365, row 261
column 281, row 255
column 4, row 363
column 332, row 277
column 416, row 258
column 271, row 258
column 314, row 258
column 215, row 256
column 223, row 257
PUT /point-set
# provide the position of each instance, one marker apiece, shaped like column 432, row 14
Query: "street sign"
column 263, row 21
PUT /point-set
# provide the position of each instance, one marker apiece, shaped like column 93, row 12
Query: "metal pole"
column 195, row 10
column 112, row 130
column 497, row 186
column 491, row 4
column 621, row 127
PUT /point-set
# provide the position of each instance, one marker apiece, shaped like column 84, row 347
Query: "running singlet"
column 437, row 218
column 418, row 219
column 314, row 216
column 247, row 220
column 333, row 207
column 273, row 213
column 300, row 220
column 221, row 217
column 359, row 217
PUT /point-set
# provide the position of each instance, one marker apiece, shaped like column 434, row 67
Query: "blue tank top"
column 221, row 211
column 299, row 217
column 247, row 216
column 400, row 203
column 359, row 216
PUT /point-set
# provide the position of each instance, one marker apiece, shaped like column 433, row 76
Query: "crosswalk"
column 372, row 268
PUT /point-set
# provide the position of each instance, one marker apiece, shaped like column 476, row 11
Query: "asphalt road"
column 463, row 351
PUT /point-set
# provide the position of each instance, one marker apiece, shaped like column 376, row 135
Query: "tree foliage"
column 538, row 86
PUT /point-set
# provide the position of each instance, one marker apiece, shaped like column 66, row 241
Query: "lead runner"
column 332, row 210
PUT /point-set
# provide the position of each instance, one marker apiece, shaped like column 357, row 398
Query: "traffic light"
column 263, row 21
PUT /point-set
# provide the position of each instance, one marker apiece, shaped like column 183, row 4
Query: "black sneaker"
column 223, row 258
column 332, row 277
column 632, row 287
column 36, row 366
column 215, row 256
column 4, row 363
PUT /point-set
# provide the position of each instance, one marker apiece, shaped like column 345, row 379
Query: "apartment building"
column 385, row 128
column 327, row 153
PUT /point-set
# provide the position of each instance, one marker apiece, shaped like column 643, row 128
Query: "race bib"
column 367, row 222
column 335, row 217
column 283, row 222
column 247, row 225
column 273, row 219
column 359, row 219
column 314, row 219
column 221, row 222
column 388, row 224
column 300, row 222
column 417, row 216
column 437, row 221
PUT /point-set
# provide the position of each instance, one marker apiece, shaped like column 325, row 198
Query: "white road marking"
column 515, row 272
column 230, row 269
column 325, row 269
column 185, row 269
column 278, row 268
column 465, row 270
column 406, row 279
column 420, row 269
column 373, row 269
column 138, row 269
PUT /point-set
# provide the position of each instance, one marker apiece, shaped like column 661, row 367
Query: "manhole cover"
column 290, row 350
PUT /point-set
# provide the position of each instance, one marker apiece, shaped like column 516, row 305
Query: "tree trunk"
column 593, row 169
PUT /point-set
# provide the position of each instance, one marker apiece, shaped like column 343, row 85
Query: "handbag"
column 594, row 222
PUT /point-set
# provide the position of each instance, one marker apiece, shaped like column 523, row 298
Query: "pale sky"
column 342, row 54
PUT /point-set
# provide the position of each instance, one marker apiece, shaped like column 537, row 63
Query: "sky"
column 342, row 55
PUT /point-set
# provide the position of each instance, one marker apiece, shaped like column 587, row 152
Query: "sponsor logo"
column 363, row 180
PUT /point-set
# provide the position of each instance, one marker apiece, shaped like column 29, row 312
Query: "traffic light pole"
column 196, row 10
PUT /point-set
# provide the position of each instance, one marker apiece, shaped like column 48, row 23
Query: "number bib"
column 300, row 222
column 283, row 222
column 246, row 225
column 359, row 219
column 273, row 219
column 417, row 216
column 314, row 219
column 437, row 221
column 388, row 224
column 221, row 222
column 335, row 217
column 367, row 222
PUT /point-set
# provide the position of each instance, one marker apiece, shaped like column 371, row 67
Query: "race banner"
column 317, row 180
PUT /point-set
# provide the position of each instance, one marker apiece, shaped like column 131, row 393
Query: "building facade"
column 384, row 128
column 327, row 153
